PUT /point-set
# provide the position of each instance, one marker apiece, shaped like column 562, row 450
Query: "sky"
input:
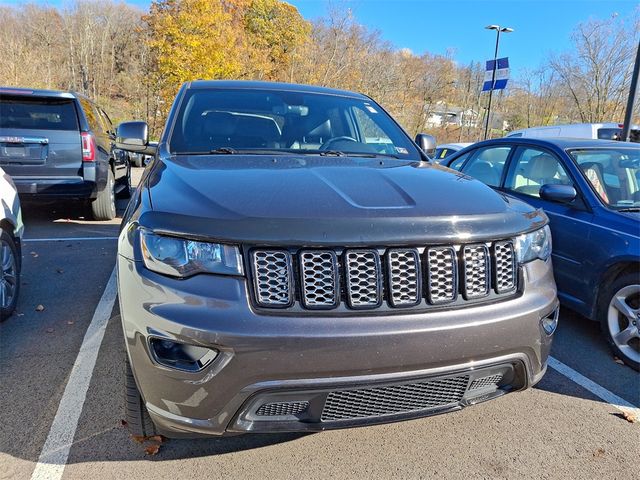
column 439, row 26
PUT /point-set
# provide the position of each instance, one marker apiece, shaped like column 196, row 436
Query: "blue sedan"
column 590, row 189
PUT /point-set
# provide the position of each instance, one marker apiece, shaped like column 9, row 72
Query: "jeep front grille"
column 364, row 282
column 367, row 278
column 403, row 266
column 319, row 274
column 272, row 276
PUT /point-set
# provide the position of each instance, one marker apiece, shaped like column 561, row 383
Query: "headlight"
column 182, row 258
column 531, row 246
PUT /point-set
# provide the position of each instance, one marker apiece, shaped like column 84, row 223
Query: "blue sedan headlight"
column 180, row 257
column 534, row 245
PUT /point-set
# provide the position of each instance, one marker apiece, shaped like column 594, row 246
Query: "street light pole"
column 498, row 30
column 628, row 116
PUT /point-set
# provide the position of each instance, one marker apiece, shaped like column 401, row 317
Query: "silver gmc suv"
column 292, row 261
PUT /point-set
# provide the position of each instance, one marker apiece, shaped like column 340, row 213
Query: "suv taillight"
column 88, row 147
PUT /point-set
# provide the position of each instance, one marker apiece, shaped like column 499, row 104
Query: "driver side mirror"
column 134, row 137
column 558, row 193
column 427, row 143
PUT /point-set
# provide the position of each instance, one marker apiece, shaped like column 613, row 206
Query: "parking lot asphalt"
column 558, row 429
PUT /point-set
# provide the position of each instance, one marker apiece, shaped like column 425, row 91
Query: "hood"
column 291, row 200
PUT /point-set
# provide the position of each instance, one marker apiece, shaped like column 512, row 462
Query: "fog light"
column 181, row 356
column 550, row 322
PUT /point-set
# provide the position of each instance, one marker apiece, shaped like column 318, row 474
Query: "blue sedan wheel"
column 623, row 322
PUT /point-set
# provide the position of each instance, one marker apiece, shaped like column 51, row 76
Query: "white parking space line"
column 66, row 239
column 598, row 390
column 55, row 452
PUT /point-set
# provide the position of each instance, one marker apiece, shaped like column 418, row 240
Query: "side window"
column 457, row 163
column 487, row 164
column 92, row 116
column 106, row 121
column 533, row 168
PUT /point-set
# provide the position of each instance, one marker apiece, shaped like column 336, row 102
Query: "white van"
column 602, row 131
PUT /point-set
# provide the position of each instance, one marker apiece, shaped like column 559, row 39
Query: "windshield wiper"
column 371, row 155
column 331, row 153
column 222, row 151
column 629, row 209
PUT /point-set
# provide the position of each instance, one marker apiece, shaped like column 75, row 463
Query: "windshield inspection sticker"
column 370, row 108
column 402, row 150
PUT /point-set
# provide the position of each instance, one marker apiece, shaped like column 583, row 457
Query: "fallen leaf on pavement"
column 40, row 308
column 618, row 361
column 629, row 417
column 59, row 270
column 599, row 453
column 138, row 438
column 124, row 423
column 156, row 438
column 34, row 254
column 70, row 322
column 152, row 449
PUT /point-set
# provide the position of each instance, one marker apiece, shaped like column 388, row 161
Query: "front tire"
column 136, row 415
column 9, row 275
column 104, row 207
column 619, row 315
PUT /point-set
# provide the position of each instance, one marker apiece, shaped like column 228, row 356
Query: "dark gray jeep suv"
column 61, row 145
column 291, row 261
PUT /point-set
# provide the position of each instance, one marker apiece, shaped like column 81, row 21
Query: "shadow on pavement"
column 580, row 344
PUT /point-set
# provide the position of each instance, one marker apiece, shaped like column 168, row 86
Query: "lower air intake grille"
column 491, row 380
column 394, row 399
column 281, row 409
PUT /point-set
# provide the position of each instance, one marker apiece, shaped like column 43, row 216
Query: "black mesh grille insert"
column 394, row 399
column 281, row 409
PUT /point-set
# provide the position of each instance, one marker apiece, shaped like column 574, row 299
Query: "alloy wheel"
column 623, row 321
column 8, row 277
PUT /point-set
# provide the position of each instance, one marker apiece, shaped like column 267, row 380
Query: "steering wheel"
column 327, row 145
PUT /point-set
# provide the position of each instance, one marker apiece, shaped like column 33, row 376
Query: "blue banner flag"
column 502, row 74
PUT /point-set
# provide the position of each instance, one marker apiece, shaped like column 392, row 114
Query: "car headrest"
column 264, row 128
column 483, row 171
column 321, row 131
column 542, row 166
column 218, row 124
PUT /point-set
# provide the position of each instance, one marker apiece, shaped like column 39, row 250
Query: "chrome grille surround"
column 504, row 267
column 273, row 281
column 476, row 266
column 319, row 279
column 394, row 399
column 403, row 267
column 442, row 278
column 364, row 282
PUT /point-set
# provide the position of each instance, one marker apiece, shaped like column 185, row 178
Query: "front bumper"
column 284, row 359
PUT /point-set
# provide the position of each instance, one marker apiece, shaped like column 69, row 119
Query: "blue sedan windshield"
column 613, row 173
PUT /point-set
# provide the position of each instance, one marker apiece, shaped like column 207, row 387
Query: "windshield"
column 614, row 174
column 262, row 121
